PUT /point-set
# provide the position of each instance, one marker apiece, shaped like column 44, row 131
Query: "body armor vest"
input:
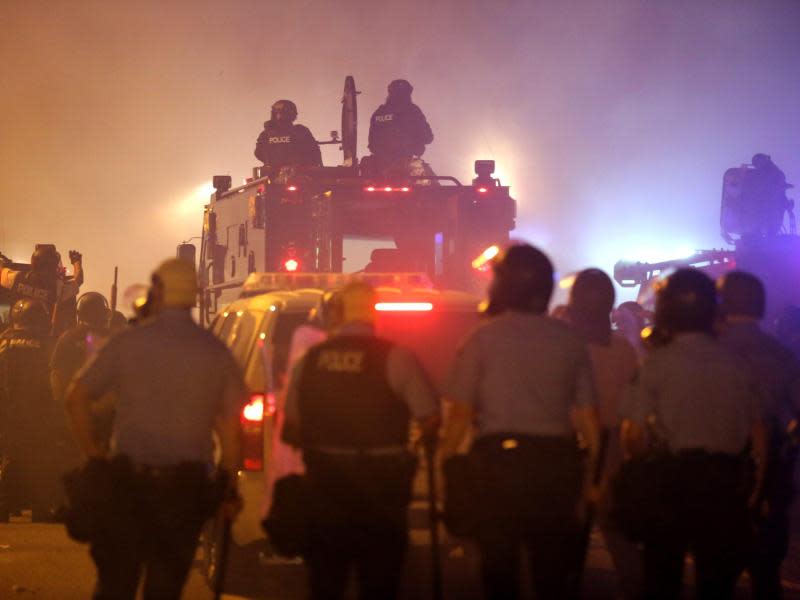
column 30, row 284
column 345, row 398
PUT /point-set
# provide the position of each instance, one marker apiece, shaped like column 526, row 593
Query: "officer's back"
column 285, row 143
column 398, row 128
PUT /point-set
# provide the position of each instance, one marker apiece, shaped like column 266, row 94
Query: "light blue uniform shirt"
column 172, row 379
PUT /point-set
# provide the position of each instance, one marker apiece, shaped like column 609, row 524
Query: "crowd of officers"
column 684, row 445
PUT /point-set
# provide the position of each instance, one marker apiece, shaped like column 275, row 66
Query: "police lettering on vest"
column 31, row 285
column 345, row 396
column 384, row 118
column 286, row 139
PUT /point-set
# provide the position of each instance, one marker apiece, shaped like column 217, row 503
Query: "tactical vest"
column 30, row 284
column 345, row 400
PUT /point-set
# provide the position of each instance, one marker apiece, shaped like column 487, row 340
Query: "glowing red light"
column 291, row 188
column 291, row 265
column 253, row 411
column 405, row 189
column 387, row 189
column 403, row 306
column 371, row 189
column 482, row 190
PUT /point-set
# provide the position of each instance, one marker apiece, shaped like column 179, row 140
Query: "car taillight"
column 403, row 306
column 252, row 419
column 253, row 411
column 291, row 265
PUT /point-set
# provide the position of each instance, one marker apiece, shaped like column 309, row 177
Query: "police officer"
column 349, row 405
column 614, row 365
column 175, row 383
column 27, row 413
column 526, row 381
column 282, row 143
column 398, row 130
column 44, row 281
column 743, row 302
column 697, row 400
column 80, row 342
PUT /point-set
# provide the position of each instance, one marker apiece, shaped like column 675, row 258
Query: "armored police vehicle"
column 299, row 219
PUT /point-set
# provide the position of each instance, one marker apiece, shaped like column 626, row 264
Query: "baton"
column 222, row 562
column 433, row 518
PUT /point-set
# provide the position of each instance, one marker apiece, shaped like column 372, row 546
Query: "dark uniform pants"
column 530, row 488
column 707, row 515
column 154, row 532
column 772, row 528
column 359, row 519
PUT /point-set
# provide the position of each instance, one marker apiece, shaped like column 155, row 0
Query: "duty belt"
column 397, row 450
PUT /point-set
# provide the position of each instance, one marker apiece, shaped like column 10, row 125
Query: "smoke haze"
column 612, row 121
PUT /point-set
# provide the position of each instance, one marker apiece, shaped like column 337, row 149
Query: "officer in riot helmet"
column 525, row 380
column 349, row 405
column 45, row 281
column 175, row 384
column 282, row 143
column 743, row 303
column 763, row 196
column 398, row 130
column 27, row 414
column 80, row 342
column 698, row 404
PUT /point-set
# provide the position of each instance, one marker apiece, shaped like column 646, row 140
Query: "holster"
column 288, row 521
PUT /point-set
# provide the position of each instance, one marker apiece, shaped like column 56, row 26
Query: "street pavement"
column 39, row 561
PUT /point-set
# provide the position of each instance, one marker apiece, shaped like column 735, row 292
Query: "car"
column 258, row 329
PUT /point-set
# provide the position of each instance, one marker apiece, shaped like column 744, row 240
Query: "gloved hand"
column 75, row 256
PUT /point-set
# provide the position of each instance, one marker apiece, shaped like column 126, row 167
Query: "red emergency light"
column 403, row 306
column 483, row 190
column 253, row 411
column 291, row 188
column 387, row 188
column 291, row 265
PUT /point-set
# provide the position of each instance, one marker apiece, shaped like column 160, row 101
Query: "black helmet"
column 686, row 301
column 760, row 160
column 29, row 314
column 400, row 87
column 590, row 302
column 45, row 258
column 742, row 294
column 93, row 309
column 286, row 109
column 523, row 280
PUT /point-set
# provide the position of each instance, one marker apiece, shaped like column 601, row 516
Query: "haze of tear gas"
column 612, row 121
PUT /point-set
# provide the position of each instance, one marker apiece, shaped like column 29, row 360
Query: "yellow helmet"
column 358, row 302
column 179, row 280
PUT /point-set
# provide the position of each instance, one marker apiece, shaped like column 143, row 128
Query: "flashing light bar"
column 403, row 306
column 291, row 265
column 388, row 188
column 481, row 261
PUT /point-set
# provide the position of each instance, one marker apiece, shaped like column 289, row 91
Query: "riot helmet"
column 93, row 309
column 328, row 313
column 399, row 91
column 358, row 302
column 760, row 160
column 283, row 111
column 590, row 302
column 29, row 314
column 741, row 294
column 523, row 281
column 685, row 302
column 45, row 259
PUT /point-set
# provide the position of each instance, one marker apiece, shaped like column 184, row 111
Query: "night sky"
column 612, row 121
